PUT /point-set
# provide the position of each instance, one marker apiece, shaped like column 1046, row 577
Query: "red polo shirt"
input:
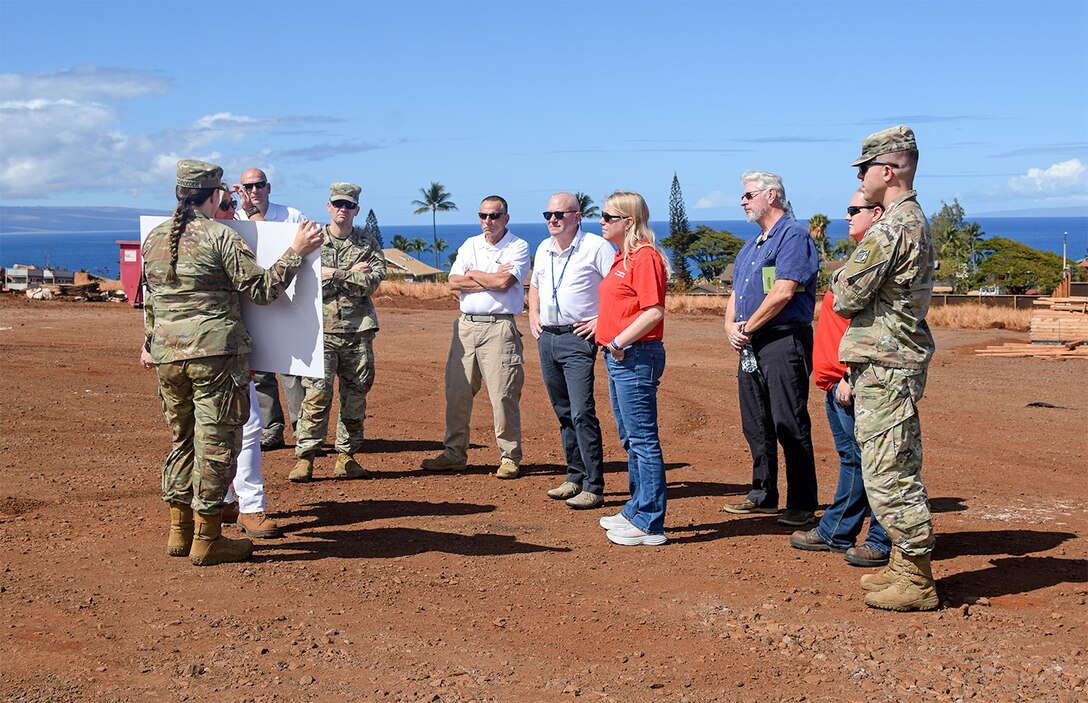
column 628, row 290
column 827, row 370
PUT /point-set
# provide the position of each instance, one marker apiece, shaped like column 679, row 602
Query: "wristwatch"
column 252, row 210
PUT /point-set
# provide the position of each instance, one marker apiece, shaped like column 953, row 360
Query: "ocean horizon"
column 85, row 239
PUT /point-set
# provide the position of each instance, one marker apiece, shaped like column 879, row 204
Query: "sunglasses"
column 343, row 205
column 490, row 215
column 228, row 204
column 852, row 210
column 751, row 194
column 864, row 168
column 558, row 214
column 612, row 218
column 255, row 186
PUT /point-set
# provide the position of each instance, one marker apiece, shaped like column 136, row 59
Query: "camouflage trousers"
column 349, row 357
column 889, row 432
column 205, row 402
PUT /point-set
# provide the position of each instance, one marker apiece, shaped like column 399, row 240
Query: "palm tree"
column 419, row 245
column 440, row 246
column 435, row 198
column 817, row 228
column 586, row 206
column 400, row 242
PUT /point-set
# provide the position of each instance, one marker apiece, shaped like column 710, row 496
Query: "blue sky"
column 99, row 99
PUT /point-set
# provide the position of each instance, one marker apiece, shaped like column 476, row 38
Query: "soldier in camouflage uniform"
column 194, row 271
column 885, row 290
column 352, row 266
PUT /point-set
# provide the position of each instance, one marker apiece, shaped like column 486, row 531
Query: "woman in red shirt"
column 629, row 327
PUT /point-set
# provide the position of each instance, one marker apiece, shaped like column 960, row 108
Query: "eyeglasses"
column 255, row 186
column 864, row 168
column 751, row 194
column 612, row 218
column 490, row 215
column 558, row 214
column 343, row 205
column 228, row 204
column 852, row 210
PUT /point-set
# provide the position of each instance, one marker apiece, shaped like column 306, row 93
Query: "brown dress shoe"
column 258, row 525
column 866, row 555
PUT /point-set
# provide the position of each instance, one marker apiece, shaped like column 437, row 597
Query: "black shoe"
column 796, row 518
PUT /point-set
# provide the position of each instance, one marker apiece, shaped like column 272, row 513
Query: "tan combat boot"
column 913, row 588
column 347, row 467
column 885, row 577
column 303, row 471
column 181, row 530
column 210, row 547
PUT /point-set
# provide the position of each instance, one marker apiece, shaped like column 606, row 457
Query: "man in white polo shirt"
column 488, row 275
column 563, row 304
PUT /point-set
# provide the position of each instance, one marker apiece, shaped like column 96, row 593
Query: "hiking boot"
column 508, row 468
column 586, row 500
column 809, row 541
column 230, row 513
column 180, row 540
column 796, row 518
column 210, row 547
column 883, row 578
column 303, row 471
column 442, row 462
column 564, row 491
column 631, row 536
column 347, row 467
column 272, row 439
column 866, row 555
column 913, row 588
column 258, row 525
column 747, row 507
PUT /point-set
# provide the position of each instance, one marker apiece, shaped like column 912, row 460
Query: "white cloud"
column 716, row 198
column 1065, row 178
column 84, row 83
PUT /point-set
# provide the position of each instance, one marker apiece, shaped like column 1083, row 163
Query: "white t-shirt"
column 477, row 255
column 276, row 213
column 567, row 280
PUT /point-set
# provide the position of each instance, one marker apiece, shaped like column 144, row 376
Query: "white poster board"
column 287, row 333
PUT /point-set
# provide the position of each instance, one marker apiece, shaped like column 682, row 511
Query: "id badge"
column 551, row 313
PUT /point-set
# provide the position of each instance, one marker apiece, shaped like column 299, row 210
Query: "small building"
column 21, row 277
column 405, row 266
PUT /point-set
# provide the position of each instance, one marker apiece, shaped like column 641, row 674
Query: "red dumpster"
column 131, row 270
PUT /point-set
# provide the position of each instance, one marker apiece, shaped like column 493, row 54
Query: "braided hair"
column 184, row 213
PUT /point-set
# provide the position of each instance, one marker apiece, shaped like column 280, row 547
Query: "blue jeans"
column 842, row 522
column 632, row 387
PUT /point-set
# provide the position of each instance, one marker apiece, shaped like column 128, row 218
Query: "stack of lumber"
column 1059, row 330
column 87, row 291
column 1060, row 319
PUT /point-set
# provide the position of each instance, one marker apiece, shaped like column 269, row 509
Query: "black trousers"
column 567, row 363
column 773, row 411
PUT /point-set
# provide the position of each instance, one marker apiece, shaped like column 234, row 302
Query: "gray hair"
column 769, row 181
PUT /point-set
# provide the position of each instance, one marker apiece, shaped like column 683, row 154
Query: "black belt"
column 779, row 329
column 486, row 318
column 558, row 329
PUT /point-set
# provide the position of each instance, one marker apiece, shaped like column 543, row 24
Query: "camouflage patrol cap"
column 886, row 141
column 198, row 174
column 345, row 191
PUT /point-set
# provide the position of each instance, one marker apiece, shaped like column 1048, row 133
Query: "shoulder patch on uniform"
column 245, row 247
column 861, row 256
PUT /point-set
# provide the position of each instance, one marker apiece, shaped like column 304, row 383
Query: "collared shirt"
column 276, row 213
column 476, row 254
column 567, row 280
column 345, row 297
column 786, row 252
column 630, row 287
column 827, row 370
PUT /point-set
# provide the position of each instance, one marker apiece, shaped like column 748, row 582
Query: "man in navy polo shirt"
column 769, row 323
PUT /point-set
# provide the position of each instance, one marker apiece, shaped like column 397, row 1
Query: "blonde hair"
column 639, row 235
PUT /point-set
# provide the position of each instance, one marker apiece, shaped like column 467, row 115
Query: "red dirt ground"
column 460, row 587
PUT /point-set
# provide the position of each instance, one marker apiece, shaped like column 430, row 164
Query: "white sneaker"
column 631, row 536
column 615, row 522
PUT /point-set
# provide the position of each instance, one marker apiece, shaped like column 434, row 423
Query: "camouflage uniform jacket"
column 199, row 313
column 885, row 290
column 346, row 296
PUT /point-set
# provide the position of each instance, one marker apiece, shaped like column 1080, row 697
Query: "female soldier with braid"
column 195, row 270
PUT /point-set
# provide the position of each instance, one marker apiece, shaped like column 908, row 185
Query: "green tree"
column 451, row 258
column 435, row 199
column 419, row 245
column 713, row 250
column 1017, row 266
column 371, row 227
column 949, row 217
column 586, row 206
column 843, row 248
column 440, row 246
column 817, row 229
column 401, row 242
column 680, row 237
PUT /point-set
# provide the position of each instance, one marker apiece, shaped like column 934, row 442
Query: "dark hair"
column 496, row 199
column 188, row 199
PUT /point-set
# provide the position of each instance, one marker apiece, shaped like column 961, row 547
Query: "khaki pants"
column 490, row 352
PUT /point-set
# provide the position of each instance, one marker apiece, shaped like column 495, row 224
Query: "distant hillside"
column 28, row 220
column 1070, row 211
